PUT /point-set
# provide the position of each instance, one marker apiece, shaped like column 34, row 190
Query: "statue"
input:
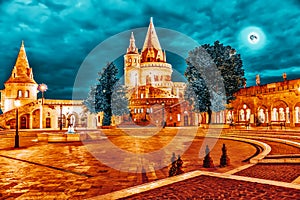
column 257, row 80
column 71, row 124
column 284, row 76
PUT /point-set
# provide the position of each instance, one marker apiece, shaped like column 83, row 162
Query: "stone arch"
column 244, row 111
column 11, row 123
column 280, row 111
column 73, row 119
column 83, row 120
column 262, row 115
column 36, row 119
column 297, row 114
column 24, row 121
column 50, row 117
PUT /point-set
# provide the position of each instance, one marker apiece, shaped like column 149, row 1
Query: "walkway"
column 70, row 171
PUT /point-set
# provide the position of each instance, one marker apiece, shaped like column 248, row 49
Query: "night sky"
column 60, row 35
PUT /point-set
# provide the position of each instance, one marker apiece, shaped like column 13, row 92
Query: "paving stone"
column 52, row 170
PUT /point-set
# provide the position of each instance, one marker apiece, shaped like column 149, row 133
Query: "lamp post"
column 17, row 105
column 146, row 110
column 163, row 114
column 42, row 88
column 60, row 124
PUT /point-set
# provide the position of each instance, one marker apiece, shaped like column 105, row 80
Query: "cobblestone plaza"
column 69, row 170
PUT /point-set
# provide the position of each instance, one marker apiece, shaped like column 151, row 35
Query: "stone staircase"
column 11, row 114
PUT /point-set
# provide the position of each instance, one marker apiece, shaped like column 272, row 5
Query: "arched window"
column 26, row 95
column 19, row 93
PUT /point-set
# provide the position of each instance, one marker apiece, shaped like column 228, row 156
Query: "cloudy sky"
column 59, row 36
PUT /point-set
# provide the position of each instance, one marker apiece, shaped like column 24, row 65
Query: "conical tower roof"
column 132, row 48
column 151, row 39
column 21, row 73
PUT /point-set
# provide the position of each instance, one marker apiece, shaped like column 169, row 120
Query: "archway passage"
column 297, row 114
column 48, row 122
column 24, row 121
column 280, row 112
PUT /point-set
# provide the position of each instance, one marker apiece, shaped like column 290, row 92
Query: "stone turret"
column 20, row 84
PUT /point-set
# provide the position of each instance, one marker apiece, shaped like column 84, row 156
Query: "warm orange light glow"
column 17, row 103
column 42, row 87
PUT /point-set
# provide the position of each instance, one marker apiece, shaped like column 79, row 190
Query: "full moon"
column 253, row 38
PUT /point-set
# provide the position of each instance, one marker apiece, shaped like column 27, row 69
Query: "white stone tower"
column 20, row 84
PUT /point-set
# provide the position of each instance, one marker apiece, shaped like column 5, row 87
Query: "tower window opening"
column 19, row 93
column 26, row 95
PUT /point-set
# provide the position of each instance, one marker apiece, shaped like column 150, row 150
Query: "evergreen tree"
column 119, row 101
column 214, row 74
column 104, row 90
column 89, row 102
column 108, row 96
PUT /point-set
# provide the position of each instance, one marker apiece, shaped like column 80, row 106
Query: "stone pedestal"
column 224, row 160
column 207, row 162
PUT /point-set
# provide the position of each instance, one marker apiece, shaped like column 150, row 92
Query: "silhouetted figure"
column 176, row 167
column 173, row 169
column 173, row 158
column 207, row 162
column 144, row 175
column 224, row 161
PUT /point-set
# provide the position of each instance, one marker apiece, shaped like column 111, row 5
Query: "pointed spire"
column 22, row 62
column 132, row 48
column 21, row 72
column 151, row 39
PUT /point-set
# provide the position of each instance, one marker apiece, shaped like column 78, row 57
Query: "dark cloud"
column 60, row 35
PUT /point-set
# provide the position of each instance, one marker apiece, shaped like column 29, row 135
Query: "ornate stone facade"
column 36, row 113
column 153, row 97
column 270, row 104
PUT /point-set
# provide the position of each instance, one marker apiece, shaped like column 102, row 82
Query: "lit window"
column 19, row 93
column 178, row 117
column 26, row 95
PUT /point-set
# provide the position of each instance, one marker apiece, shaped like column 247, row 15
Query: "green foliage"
column 99, row 99
column 230, row 66
column 214, row 74
column 89, row 102
column 104, row 90
column 119, row 101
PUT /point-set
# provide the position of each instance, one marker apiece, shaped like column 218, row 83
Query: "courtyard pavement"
column 40, row 170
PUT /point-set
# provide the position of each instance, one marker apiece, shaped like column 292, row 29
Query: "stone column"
column 30, row 121
column 267, row 116
column 292, row 117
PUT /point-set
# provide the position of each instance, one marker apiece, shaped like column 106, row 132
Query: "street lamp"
column 60, row 124
column 42, row 88
column 163, row 114
column 146, row 110
column 17, row 105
